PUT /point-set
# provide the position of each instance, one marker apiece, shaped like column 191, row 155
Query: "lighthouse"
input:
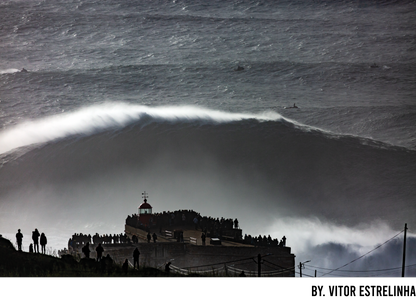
column 145, row 211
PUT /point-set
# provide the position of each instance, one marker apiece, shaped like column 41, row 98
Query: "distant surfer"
column 239, row 68
column 374, row 65
column 291, row 107
column 23, row 70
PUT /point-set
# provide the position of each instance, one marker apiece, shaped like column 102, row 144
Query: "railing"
column 191, row 240
column 168, row 233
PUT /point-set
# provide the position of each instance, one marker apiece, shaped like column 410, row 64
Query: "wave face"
column 116, row 115
column 189, row 157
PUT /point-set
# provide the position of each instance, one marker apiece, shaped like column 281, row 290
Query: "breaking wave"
column 98, row 118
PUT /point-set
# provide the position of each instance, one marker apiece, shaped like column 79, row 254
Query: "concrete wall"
column 197, row 257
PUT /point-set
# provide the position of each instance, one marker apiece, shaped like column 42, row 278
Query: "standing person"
column 154, row 237
column 203, row 238
column 125, row 266
column 196, row 223
column 35, row 238
column 136, row 255
column 236, row 223
column 99, row 250
column 19, row 238
column 149, row 237
column 43, row 242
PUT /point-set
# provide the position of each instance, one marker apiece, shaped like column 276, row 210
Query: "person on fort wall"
column 203, row 237
column 196, row 223
column 154, row 237
column 149, row 237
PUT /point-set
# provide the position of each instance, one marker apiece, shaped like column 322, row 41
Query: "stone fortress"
column 194, row 244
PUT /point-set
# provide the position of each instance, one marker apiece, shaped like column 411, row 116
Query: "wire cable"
column 375, row 270
column 377, row 247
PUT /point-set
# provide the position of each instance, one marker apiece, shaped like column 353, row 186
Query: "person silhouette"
column 86, row 250
column 35, row 238
column 43, row 242
column 99, row 250
column 19, row 238
column 125, row 266
column 136, row 255
column 167, row 267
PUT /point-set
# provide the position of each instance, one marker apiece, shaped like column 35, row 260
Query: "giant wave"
column 97, row 118
column 201, row 158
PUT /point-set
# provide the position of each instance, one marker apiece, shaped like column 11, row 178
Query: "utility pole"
column 301, row 265
column 404, row 249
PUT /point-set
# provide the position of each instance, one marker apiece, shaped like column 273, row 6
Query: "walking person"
column 35, row 238
column 43, row 242
column 19, row 239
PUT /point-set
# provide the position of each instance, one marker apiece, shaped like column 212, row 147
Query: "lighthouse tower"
column 145, row 211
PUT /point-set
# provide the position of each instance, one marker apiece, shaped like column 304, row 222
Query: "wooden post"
column 300, row 269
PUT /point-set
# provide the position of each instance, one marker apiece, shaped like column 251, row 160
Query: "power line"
column 221, row 263
column 363, row 254
column 375, row 270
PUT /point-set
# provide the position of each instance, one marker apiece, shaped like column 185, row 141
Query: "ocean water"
column 122, row 97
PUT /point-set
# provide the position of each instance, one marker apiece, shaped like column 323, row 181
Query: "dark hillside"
column 23, row 264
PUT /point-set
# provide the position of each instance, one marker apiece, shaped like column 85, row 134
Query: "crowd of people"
column 212, row 226
column 81, row 239
column 264, row 241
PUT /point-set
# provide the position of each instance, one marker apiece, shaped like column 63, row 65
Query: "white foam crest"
column 9, row 71
column 110, row 115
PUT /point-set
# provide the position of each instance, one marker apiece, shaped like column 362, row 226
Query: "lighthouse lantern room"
column 145, row 210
